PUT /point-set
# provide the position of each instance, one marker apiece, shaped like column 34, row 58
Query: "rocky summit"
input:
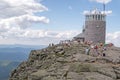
column 69, row 62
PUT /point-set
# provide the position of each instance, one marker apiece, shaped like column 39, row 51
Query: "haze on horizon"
column 40, row 22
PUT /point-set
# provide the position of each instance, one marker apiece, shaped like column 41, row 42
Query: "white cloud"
column 23, row 21
column 19, row 7
column 36, row 36
column 101, row 1
column 103, row 12
column 107, row 12
column 114, row 38
column 16, row 19
column 15, row 27
column 86, row 12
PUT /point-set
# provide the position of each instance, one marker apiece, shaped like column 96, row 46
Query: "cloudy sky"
column 40, row 22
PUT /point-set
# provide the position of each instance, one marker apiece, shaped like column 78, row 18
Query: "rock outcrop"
column 63, row 62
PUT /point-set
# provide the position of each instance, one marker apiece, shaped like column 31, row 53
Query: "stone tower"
column 95, row 27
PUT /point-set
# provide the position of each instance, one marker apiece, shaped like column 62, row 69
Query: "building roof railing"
column 95, row 11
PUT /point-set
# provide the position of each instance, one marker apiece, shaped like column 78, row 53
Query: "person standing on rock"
column 87, row 50
column 103, row 54
column 96, row 49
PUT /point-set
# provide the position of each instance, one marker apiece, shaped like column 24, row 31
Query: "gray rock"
column 60, row 62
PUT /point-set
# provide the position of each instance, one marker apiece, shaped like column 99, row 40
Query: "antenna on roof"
column 104, row 7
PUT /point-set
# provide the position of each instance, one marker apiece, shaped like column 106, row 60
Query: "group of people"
column 97, row 49
column 94, row 49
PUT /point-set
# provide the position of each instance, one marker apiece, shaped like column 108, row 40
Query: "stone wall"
column 95, row 31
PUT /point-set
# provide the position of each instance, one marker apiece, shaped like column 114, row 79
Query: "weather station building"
column 94, row 28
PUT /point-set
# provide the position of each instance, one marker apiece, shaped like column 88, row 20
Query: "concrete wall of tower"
column 95, row 28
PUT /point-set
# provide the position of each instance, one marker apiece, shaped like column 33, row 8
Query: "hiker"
column 85, row 42
column 110, row 44
column 103, row 54
column 92, row 46
column 100, row 45
column 104, row 48
column 96, row 49
column 61, row 42
column 52, row 44
column 87, row 50
column 89, row 43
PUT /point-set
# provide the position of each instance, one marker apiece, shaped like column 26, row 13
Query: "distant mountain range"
column 5, row 68
column 16, row 52
column 12, row 55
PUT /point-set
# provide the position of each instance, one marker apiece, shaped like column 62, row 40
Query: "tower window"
column 93, row 17
column 98, row 17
